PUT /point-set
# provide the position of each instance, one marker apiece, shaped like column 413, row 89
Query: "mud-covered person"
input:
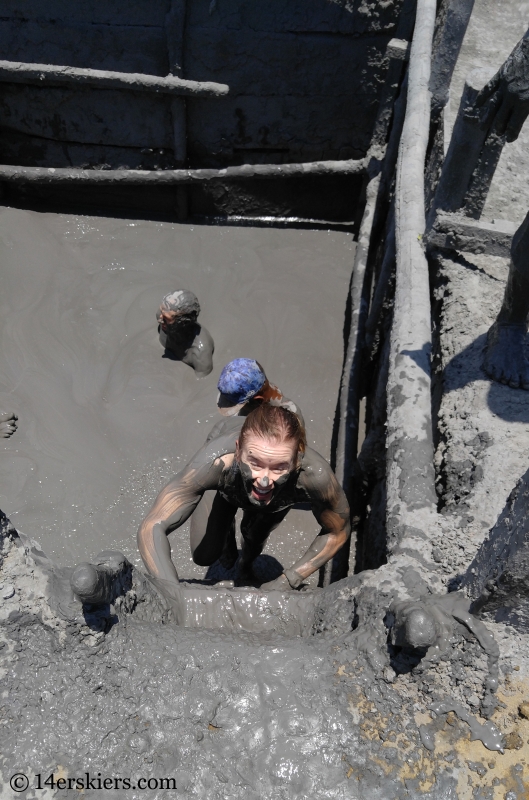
column 265, row 470
column 243, row 386
column 181, row 334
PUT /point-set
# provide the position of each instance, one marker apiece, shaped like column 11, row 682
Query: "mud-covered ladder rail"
column 411, row 497
column 377, row 186
column 399, row 215
column 451, row 23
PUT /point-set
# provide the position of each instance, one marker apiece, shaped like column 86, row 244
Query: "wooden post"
column 175, row 26
column 452, row 23
column 479, row 187
column 397, row 51
column 411, row 497
column 464, row 150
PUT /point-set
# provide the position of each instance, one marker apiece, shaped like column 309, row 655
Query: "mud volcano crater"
column 282, row 162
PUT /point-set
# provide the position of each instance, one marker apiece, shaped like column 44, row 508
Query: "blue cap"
column 239, row 381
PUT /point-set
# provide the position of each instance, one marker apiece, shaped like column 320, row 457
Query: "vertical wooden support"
column 476, row 196
column 174, row 32
column 452, row 22
column 464, row 151
column 397, row 51
column 175, row 27
column 411, row 497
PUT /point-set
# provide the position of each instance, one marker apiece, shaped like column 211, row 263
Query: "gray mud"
column 126, row 694
column 104, row 419
column 122, row 691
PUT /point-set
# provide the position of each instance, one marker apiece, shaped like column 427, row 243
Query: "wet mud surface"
column 104, row 419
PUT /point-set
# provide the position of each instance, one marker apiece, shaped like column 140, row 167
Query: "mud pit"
column 358, row 700
column 104, row 419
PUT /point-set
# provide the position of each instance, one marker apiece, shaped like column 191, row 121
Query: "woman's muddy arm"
column 171, row 509
column 331, row 509
column 334, row 533
column 329, row 505
column 173, row 506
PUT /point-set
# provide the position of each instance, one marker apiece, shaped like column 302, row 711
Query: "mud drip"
column 487, row 732
column 457, row 605
column 430, row 623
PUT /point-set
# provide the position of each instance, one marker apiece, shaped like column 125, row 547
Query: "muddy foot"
column 505, row 359
column 100, row 583
column 8, row 424
column 280, row 583
column 245, row 575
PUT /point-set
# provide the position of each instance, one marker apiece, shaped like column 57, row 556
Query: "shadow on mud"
column 511, row 405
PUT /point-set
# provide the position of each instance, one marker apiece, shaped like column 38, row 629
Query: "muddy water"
column 104, row 419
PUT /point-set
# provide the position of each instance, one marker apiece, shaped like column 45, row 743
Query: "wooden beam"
column 54, row 75
column 459, row 232
column 68, row 175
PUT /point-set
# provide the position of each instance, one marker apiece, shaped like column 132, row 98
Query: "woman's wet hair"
column 274, row 422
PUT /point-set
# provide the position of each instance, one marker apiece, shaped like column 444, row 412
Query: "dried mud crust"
column 483, row 426
column 238, row 716
column 226, row 716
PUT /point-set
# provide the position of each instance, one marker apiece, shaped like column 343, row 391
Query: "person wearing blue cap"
column 242, row 382
column 265, row 469
column 242, row 387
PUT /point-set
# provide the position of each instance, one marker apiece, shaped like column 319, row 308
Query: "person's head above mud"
column 243, row 386
column 264, row 469
column 178, row 310
column 182, row 336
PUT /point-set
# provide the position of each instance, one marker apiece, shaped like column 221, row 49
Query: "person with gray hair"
column 183, row 338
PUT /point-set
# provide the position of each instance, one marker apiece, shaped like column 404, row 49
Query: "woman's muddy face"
column 265, row 464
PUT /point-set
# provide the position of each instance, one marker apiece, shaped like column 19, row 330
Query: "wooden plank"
column 459, row 232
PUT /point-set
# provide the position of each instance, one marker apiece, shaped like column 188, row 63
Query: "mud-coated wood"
column 45, row 175
column 55, row 75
